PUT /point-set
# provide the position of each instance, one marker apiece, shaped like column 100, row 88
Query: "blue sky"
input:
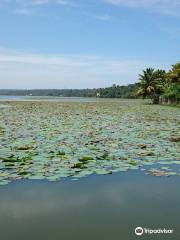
column 85, row 44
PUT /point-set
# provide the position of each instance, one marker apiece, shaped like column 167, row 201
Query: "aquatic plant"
column 55, row 140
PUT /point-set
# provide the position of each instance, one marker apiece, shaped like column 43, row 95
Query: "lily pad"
column 54, row 140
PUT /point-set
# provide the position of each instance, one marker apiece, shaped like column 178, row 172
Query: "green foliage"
column 172, row 91
column 61, row 153
column 86, row 158
column 111, row 92
column 173, row 76
column 117, row 91
column 152, row 84
column 172, row 88
column 157, row 84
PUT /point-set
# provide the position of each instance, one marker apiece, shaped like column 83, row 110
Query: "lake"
column 97, row 207
column 44, row 98
column 88, row 169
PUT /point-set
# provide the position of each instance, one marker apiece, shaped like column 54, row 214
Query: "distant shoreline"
column 114, row 91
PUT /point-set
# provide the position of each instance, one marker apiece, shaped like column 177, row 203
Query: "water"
column 63, row 99
column 96, row 207
column 47, row 98
column 9, row 98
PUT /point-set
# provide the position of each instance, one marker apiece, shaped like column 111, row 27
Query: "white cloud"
column 170, row 7
column 25, row 70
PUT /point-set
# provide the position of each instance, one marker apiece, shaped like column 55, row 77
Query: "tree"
column 151, row 84
column 172, row 87
column 173, row 76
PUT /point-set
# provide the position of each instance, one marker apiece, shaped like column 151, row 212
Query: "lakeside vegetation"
column 111, row 92
column 156, row 84
column 160, row 86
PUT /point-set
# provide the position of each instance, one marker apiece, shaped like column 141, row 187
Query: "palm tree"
column 151, row 84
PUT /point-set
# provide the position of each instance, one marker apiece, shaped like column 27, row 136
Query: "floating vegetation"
column 142, row 146
column 175, row 139
column 86, row 158
column 161, row 172
column 133, row 162
column 55, row 140
column 61, row 153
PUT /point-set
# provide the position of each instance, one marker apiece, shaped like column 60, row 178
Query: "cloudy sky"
column 85, row 43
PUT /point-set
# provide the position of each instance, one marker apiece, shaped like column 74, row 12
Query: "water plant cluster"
column 54, row 140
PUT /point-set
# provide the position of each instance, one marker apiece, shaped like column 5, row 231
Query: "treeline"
column 160, row 86
column 117, row 91
column 49, row 92
column 111, row 92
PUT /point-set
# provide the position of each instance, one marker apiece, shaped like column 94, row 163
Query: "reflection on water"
column 98, row 207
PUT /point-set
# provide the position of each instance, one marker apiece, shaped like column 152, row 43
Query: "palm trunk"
column 155, row 99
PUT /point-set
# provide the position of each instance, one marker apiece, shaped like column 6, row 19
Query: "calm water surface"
column 96, row 207
column 64, row 99
column 48, row 98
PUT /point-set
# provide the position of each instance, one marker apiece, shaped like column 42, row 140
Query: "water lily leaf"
column 55, row 140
